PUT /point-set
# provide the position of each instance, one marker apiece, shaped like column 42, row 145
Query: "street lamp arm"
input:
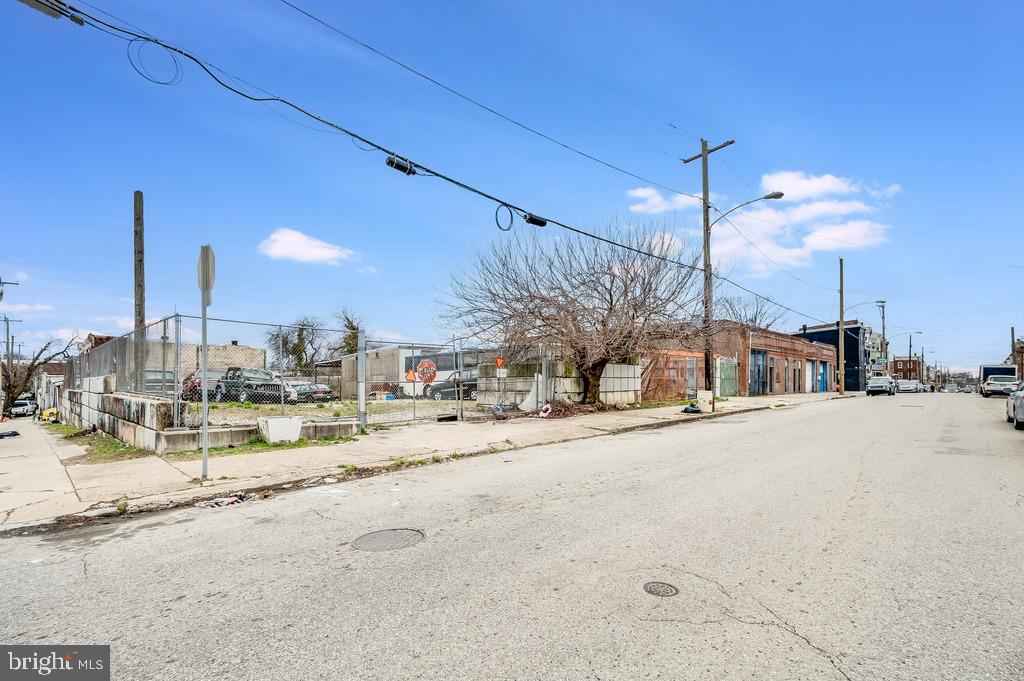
column 766, row 197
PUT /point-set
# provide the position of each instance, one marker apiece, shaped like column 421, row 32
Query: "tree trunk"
column 590, row 376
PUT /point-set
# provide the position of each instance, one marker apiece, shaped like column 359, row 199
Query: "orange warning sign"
column 410, row 375
column 499, row 362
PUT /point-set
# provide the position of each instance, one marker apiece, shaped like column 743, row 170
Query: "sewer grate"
column 662, row 589
column 389, row 540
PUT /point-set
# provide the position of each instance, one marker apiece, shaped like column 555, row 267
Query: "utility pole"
column 842, row 334
column 910, row 357
column 885, row 344
column 140, row 296
column 1013, row 346
column 709, row 367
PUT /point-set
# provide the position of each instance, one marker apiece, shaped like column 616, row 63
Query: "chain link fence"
column 256, row 369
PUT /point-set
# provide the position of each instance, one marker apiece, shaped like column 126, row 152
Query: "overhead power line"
column 395, row 160
column 477, row 103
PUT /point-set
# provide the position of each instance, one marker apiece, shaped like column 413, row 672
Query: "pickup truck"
column 240, row 384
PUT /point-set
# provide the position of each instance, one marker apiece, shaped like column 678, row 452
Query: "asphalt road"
column 874, row 538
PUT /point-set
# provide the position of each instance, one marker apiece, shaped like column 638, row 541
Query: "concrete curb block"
column 99, row 511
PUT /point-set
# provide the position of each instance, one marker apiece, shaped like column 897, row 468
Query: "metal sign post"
column 207, row 274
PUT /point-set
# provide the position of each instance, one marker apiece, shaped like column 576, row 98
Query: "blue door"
column 758, row 372
column 823, row 378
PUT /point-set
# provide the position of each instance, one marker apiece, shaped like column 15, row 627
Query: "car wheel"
column 1017, row 423
column 984, row 394
column 436, row 395
column 218, row 395
column 243, row 396
column 472, row 394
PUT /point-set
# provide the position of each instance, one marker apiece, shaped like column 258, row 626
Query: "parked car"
column 308, row 391
column 881, row 385
column 448, row 390
column 999, row 385
column 949, row 388
column 252, row 385
column 906, row 386
column 1015, row 408
column 23, row 408
column 192, row 385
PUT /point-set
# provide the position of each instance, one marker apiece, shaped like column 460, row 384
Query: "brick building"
column 903, row 368
column 749, row 361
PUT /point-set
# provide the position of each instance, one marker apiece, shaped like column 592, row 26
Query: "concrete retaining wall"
column 619, row 383
column 147, row 422
column 133, row 419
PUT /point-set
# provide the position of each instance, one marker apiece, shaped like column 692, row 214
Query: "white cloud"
column 367, row 269
column 291, row 244
column 653, row 203
column 25, row 307
column 816, row 210
column 799, row 186
column 834, row 237
column 22, row 276
column 885, row 192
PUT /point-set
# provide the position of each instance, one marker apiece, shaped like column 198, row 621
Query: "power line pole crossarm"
column 709, row 367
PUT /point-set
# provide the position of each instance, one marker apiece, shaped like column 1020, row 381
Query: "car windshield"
column 258, row 374
column 20, row 403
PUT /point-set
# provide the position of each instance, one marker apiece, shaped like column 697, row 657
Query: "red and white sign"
column 426, row 370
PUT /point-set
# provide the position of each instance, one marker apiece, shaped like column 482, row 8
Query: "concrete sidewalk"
column 36, row 486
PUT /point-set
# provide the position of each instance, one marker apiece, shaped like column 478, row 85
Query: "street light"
column 709, row 353
column 767, row 197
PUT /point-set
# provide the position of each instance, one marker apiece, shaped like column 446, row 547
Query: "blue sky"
column 894, row 127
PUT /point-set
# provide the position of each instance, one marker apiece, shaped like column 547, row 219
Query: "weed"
column 122, row 507
column 337, row 413
column 348, row 467
column 436, row 458
column 320, row 405
column 455, row 455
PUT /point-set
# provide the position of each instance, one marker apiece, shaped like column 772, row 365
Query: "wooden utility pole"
column 140, row 297
column 842, row 334
column 709, row 354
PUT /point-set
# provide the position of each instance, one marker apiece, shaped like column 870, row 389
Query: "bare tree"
column 299, row 345
column 351, row 323
column 593, row 301
column 18, row 376
column 751, row 311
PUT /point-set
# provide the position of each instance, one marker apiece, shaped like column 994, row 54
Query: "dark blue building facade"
column 855, row 349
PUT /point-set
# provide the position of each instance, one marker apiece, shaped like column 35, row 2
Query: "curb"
column 98, row 513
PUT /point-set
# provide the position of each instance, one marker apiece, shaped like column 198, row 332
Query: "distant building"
column 906, row 369
column 859, row 340
column 749, row 361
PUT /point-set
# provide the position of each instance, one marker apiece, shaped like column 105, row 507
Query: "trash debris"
column 621, row 406
column 444, row 418
column 691, row 409
column 330, row 481
column 311, row 482
column 233, row 498
column 9, row 433
column 264, row 494
column 545, row 411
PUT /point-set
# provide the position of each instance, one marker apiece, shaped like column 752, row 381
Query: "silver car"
column 23, row 408
column 905, row 386
column 999, row 385
column 1015, row 409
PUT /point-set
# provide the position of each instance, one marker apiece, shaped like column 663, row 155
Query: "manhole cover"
column 388, row 540
column 660, row 589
